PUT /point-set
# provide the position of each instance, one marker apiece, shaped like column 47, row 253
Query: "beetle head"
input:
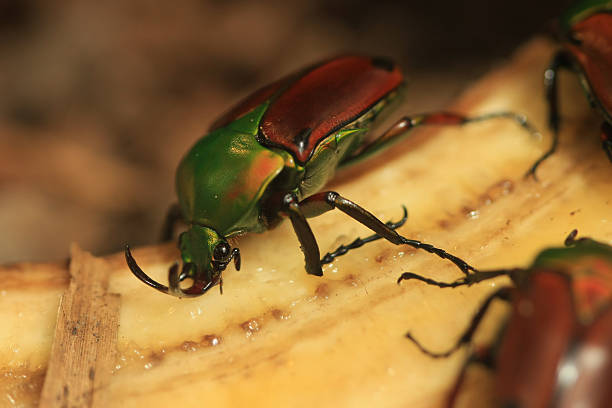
column 205, row 256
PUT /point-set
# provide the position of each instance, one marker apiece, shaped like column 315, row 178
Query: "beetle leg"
column 407, row 123
column 466, row 337
column 561, row 60
column 319, row 203
column 308, row 242
column 481, row 355
column 468, row 280
column 172, row 217
column 606, row 139
column 359, row 242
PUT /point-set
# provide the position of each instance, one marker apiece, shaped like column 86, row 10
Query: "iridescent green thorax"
column 582, row 10
column 221, row 180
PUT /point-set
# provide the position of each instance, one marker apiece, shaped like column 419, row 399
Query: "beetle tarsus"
column 460, row 263
column 359, row 242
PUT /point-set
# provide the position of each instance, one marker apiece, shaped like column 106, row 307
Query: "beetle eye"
column 221, row 251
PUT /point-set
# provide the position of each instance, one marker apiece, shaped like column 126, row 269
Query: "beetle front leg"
column 308, row 242
column 325, row 201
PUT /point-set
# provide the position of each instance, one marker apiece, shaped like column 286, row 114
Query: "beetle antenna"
column 139, row 273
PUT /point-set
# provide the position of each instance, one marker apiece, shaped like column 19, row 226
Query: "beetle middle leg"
column 322, row 202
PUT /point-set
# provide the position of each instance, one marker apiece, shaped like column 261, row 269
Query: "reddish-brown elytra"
column 556, row 347
column 270, row 156
column 586, row 31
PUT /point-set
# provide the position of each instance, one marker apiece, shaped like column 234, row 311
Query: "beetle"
column 586, row 35
column 555, row 349
column 268, row 158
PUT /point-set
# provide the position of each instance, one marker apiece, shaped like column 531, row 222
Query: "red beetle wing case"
column 537, row 336
column 325, row 99
column 308, row 105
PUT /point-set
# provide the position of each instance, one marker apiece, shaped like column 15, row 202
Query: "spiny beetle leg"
column 172, row 217
column 359, row 242
column 606, row 139
column 466, row 337
column 561, row 60
column 328, row 200
column 434, row 118
column 466, row 268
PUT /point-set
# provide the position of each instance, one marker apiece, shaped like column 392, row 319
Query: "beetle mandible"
column 586, row 31
column 270, row 156
column 555, row 349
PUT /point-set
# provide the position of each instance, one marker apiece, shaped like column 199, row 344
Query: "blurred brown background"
column 100, row 99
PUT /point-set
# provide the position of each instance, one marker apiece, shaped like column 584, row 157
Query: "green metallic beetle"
column 269, row 156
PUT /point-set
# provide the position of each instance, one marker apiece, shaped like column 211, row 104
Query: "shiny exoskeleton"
column 271, row 155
